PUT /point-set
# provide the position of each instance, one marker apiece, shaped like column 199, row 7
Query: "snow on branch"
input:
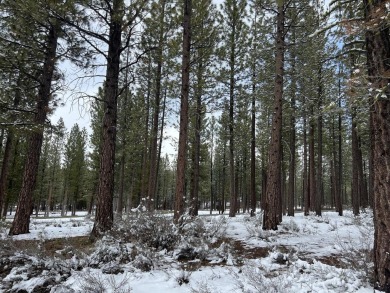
column 333, row 24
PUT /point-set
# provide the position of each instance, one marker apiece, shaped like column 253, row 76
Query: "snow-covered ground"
column 210, row 254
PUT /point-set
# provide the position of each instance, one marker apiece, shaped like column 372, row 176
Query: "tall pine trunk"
column 312, row 177
column 156, row 204
column 339, row 167
column 319, row 174
column 292, row 141
column 355, row 190
column 378, row 56
column 21, row 222
column 253, row 146
column 104, row 207
column 274, row 178
column 183, row 132
column 233, row 194
column 194, row 192
column 8, row 152
column 306, row 186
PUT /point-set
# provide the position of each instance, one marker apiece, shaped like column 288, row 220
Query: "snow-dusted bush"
column 203, row 287
column 291, row 226
column 254, row 227
column 155, row 231
column 92, row 281
column 109, row 250
column 216, row 227
column 358, row 255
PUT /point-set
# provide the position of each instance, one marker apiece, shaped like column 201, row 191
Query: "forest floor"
column 147, row 253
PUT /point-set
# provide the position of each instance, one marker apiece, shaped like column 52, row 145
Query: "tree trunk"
column 291, row 171
column 371, row 157
column 334, row 169
column 363, row 194
column 233, row 194
column 378, row 55
column 21, row 222
column 306, row 186
column 339, row 168
column 120, row 204
column 145, row 169
column 194, row 192
column 104, row 206
column 183, row 133
column 319, row 174
column 156, row 204
column 8, row 152
column 153, row 147
column 212, row 196
column 273, row 188
column 253, row 147
column 52, row 179
column 7, row 157
column 312, row 181
column 355, row 190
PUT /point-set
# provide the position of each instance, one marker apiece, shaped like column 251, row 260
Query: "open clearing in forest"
column 208, row 254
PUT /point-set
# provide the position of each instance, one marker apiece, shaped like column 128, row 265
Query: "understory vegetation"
column 330, row 252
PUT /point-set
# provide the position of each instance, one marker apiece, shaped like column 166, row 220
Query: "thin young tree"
column 234, row 48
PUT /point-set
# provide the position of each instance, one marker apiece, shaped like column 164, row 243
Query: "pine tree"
column 54, row 165
column 75, row 165
column 183, row 133
column 120, row 22
column 21, row 221
column 234, row 49
column 273, row 188
column 204, row 38
column 378, row 52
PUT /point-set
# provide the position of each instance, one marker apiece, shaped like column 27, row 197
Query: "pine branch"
column 333, row 24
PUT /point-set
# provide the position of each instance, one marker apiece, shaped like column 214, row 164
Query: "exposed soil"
column 48, row 247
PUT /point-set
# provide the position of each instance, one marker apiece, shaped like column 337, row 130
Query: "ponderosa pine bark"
column 253, row 133
column 8, row 151
column 292, row 139
column 253, row 150
column 306, row 191
column 194, row 192
column 274, row 178
column 319, row 174
column 183, row 132
column 21, row 222
column 5, row 167
column 378, row 56
column 104, row 208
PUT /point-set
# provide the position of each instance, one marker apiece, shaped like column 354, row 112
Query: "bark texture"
column 378, row 62
column 21, row 222
column 274, row 178
column 104, row 206
column 183, row 132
